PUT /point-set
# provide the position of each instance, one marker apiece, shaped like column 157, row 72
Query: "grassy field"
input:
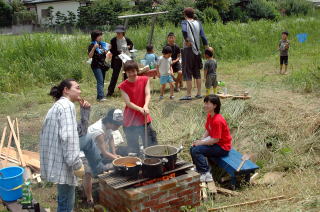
column 284, row 110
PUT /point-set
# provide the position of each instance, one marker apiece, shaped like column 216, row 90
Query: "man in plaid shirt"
column 59, row 143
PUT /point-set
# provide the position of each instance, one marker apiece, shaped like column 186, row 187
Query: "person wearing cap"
column 99, row 149
column 119, row 44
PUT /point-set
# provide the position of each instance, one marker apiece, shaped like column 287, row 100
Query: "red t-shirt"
column 136, row 93
column 218, row 128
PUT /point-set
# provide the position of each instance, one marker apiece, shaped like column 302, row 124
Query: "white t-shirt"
column 164, row 65
column 97, row 129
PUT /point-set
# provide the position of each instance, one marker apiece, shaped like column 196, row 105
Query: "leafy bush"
column 295, row 7
column 211, row 15
column 306, row 80
column 258, row 9
column 175, row 9
column 102, row 12
column 5, row 13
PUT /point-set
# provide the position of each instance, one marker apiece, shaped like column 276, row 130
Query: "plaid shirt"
column 59, row 144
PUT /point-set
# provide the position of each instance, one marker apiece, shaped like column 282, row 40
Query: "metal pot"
column 164, row 151
column 153, row 167
column 127, row 166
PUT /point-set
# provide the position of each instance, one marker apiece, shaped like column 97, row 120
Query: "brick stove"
column 179, row 187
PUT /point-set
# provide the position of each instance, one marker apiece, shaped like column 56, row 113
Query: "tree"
column 6, row 12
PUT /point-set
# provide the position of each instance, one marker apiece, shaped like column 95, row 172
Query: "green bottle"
column 26, row 193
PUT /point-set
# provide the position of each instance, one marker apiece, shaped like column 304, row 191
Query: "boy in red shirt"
column 215, row 142
column 135, row 91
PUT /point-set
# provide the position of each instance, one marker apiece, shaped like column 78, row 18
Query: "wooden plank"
column 3, row 138
column 224, row 96
column 212, row 187
column 248, row 203
column 16, row 141
column 9, row 144
column 241, row 97
column 227, row 191
column 31, row 161
column 204, row 194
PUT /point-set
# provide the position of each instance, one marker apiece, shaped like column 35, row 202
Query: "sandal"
column 186, row 98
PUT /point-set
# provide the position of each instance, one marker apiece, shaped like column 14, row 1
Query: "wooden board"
column 223, row 96
column 241, row 97
column 227, row 191
column 212, row 187
column 31, row 158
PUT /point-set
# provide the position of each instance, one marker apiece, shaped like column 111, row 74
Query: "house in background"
column 42, row 11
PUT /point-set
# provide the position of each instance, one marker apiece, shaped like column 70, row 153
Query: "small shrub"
column 294, row 7
column 258, row 9
column 211, row 15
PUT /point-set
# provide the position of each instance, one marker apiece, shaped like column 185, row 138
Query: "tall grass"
column 38, row 59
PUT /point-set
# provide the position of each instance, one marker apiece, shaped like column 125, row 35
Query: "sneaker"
column 208, row 177
column 171, row 97
column 102, row 100
column 177, row 90
column 198, row 96
column 161, row 97
column 186, row 98
column 203, row 177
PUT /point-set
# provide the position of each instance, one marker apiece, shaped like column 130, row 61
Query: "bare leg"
column 163, row 87
column 179, row 79
column 171, row 88
column 189, row 87
column 87, row 185
column 285, row 69
column 281, row 68
column 198, row 81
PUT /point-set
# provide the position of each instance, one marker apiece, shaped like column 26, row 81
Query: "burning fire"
column 163, row 178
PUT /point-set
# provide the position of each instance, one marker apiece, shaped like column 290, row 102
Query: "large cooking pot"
column 153, row 167
column 127, row 166
column 163, row 151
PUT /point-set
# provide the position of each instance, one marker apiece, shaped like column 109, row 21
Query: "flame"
column 163, row 178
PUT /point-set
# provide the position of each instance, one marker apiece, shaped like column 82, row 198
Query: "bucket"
column 11, row 180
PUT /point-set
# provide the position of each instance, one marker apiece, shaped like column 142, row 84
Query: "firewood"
column 227, row 191
column 248, row 203
column 212, row 187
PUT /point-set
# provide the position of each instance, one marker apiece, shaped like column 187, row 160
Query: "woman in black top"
column 98, row 64
column 119, row 44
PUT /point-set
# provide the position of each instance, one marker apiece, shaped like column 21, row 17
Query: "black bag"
column 104, row 65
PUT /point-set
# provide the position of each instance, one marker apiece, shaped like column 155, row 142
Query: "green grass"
column 284, row 110
column 38, row 59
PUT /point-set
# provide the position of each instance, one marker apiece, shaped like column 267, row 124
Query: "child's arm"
column 171, row 70
column 206, row 142
column 157, row 69
column 205, row 73
column 129, row 104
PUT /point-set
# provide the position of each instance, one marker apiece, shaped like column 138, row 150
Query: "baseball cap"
column 114, row 116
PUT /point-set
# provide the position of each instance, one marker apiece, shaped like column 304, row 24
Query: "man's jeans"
column 134, row 132
column 93, row 154
column 66, row 197
column 199, row 155
column 100, row 76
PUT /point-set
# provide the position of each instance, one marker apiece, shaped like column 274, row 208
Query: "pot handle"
column 180, row 149
column 164, row 160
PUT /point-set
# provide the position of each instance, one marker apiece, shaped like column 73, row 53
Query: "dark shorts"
column 283, row 60
column 211, row 81
column 176, row 67
column 191, row 64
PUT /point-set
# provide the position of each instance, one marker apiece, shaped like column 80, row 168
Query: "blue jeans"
column 92, row 153
column 100, row 76
column 66, row 197
column 134, row 132
column 199, row 155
